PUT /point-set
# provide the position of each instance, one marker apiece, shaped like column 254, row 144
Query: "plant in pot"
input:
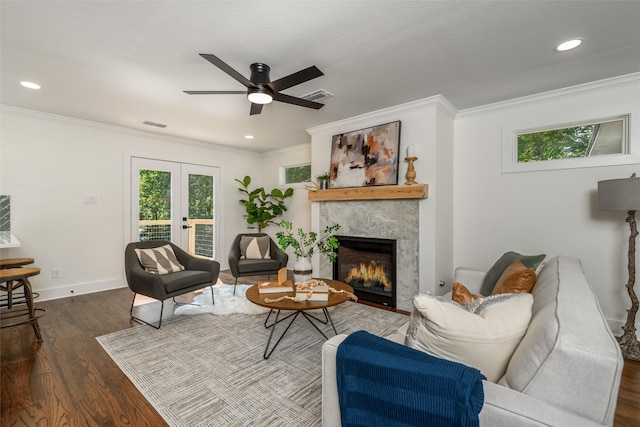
column 262, row 207
column 323, row 180
column 305, row 245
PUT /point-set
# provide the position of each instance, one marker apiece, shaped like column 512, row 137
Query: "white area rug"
column 206, row 370
column 225, row 302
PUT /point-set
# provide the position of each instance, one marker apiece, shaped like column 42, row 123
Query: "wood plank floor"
column 70, row 381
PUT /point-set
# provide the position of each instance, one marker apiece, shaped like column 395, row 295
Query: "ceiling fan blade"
column 227, row 69
column 296, row 78
column 297, row 101
column 215, row 92
column 255, row 109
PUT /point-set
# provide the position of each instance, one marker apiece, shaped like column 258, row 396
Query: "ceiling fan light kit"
column 260, row 89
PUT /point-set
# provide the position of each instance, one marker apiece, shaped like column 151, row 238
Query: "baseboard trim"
column 80, row 289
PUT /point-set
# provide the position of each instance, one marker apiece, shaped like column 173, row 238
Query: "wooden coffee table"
column 298, row 308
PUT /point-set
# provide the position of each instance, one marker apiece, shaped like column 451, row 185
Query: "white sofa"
column 565, row 372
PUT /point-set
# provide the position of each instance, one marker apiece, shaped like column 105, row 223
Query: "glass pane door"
column 176, row 202
column 199, row 184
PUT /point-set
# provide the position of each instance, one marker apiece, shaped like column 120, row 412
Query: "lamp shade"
column 619, row 194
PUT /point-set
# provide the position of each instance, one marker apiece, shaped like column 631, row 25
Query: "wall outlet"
column 56, row 273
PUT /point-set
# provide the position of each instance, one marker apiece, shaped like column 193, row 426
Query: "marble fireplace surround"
column 382, row 219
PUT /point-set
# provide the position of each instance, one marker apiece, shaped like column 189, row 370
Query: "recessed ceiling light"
column 30, row 85
column 248, row 137
column 568, row 45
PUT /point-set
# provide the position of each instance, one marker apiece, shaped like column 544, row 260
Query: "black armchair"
column 242, row 267
column 198, row 273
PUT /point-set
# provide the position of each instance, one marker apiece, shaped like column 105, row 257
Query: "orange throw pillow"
column 461, row 294
column 517, row 278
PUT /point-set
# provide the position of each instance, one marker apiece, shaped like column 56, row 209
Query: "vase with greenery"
column 262, row 206
column 305, row 245
column 323, row 180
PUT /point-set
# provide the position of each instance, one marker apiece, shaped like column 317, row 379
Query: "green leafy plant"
column 262, row 207
column 323, row 177
column 306, row 244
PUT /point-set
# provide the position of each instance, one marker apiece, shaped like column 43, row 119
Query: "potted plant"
column 262, row 207
column 323, row 180
column 305, row 245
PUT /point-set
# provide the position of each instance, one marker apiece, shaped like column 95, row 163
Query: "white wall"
column 48, row 163
column 552, row 212
column 298, row 206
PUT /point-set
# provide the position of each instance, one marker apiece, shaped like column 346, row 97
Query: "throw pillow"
column 494, row 273
column 255, row 247
column 461, row 294
column 515, row 279
column 484, row 339
column 160, row 260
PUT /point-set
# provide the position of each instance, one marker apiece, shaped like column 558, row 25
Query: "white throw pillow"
column 160, row 260
column 484, row 339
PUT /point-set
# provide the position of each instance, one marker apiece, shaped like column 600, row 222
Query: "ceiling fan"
column 260, row 89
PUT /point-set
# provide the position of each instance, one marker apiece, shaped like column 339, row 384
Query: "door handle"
column 184, row 227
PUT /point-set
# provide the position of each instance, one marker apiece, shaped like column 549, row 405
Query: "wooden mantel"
column 381, row 192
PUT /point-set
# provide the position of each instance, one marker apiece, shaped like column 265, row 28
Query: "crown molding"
column 4, row 108
column 627, row 79
column 437, row 101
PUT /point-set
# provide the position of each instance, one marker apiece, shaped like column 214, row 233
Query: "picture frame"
column 366, row 157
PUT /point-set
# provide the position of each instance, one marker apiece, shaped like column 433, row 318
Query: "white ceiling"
column 123, row 62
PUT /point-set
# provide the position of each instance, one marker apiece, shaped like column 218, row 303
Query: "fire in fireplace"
column 368, row 265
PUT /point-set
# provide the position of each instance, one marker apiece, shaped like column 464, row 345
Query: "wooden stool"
column 12, row 279
column 15, row 262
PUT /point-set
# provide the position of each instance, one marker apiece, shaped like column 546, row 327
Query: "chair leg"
column 144, row 321
column 234, row 286
column 212, row 300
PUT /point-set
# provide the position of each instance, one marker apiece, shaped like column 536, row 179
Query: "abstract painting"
column 366, row 157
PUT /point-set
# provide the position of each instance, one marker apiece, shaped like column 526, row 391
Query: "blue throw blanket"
column 382, row 383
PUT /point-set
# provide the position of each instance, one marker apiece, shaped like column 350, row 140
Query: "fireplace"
column 368, row 265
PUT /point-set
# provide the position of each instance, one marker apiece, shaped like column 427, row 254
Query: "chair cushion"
column 160, row 260
column 255, row 247
column 484, row 334
column 185, row 279
column 257, row 265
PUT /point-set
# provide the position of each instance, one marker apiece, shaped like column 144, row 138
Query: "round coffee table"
column 298, row 308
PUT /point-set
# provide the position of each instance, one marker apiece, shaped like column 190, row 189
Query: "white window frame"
column 282, row 176
column 510, row 134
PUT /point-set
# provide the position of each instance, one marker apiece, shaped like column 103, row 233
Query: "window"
column 295, row 174
column 587, row 143
column 584, row 140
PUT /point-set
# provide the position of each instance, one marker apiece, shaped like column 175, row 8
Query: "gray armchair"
column 242, row 267
column 198, row 273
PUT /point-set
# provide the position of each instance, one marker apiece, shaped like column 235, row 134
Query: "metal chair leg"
column 144, row 321
column 234, row 286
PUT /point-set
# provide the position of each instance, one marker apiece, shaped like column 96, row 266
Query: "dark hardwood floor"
column 69, row 380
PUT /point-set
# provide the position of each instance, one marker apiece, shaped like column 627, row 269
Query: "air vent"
column 158, row 125
column 317, row 95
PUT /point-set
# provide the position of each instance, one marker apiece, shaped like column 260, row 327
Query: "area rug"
column 206, row 370
column 225, row 302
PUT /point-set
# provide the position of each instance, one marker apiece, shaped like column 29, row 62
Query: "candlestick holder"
column 411, row 172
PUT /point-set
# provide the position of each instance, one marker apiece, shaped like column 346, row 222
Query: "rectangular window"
column 578, row 144
column 582, row 140
column 296, row 174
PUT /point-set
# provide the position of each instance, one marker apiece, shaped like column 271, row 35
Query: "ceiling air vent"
column 317, row 95
column 150, row 123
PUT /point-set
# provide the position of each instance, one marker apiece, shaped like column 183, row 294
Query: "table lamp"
column 624, row 195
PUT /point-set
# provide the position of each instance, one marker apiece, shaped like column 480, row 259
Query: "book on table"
column 272, row 286
column 312, row 290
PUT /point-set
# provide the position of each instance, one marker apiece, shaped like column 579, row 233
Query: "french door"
column 176, row 202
